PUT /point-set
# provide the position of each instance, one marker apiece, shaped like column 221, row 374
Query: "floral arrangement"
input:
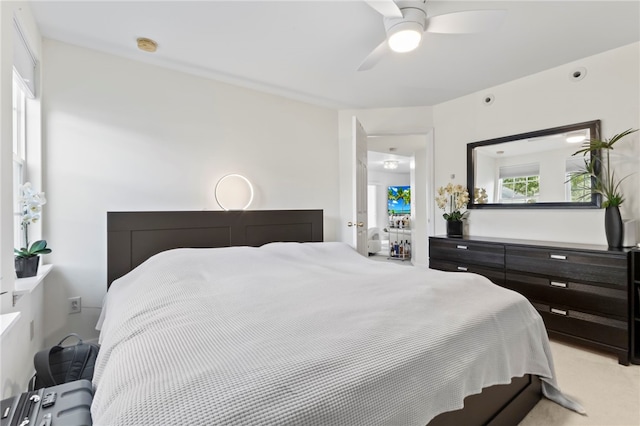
column 606, row 182
column 480, row 196
column 31, row 203
column 452, row 199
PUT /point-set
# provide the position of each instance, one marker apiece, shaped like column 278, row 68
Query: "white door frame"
column 360, row 222
column 347, row 193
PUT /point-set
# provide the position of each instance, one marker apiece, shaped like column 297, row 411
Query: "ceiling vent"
column 578, row 74
column 488, row 99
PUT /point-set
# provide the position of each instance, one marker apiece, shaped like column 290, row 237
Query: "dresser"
column 583, row 292
column 635, row 306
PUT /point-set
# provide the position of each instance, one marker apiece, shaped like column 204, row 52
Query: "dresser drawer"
column 604, row 299
column 496, row 276
column 578, row 324
column 491, row 255
column 568, row 264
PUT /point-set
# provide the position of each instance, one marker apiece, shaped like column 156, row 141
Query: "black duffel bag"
column 61, row 364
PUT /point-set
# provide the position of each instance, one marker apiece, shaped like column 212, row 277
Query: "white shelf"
column 7, row 321
column 27, row 285
column 398, row 235
column 398, row 231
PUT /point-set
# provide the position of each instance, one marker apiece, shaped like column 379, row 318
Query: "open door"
column 359, row 224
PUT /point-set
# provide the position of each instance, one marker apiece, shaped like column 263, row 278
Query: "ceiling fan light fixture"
column 405, row 37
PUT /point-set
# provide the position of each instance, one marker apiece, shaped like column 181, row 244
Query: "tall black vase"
column 613, row 226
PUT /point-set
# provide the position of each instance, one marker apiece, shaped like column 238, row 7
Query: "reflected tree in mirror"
column 597, row 169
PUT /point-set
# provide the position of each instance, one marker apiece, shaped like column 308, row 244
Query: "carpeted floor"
column 608, row 391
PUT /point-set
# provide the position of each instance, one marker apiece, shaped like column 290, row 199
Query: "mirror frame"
column 594, row 203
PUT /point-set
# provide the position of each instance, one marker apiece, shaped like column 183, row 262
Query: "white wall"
column 19, row 343
column 423, row 204
column 123, row 135
column 486, row 176
column 18, row 10
column 6, row 175
column 609, row 92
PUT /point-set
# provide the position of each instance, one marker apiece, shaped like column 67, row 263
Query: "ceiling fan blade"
column 467, row 22
column 374, row 57
column 386, row 8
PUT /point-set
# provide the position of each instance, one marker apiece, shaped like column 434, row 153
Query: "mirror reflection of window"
column 519, row 183
column 577, row 182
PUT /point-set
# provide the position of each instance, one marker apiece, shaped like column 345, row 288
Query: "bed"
column 249, row 318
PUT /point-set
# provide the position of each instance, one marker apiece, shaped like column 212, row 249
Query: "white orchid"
column 31, row 202
column 452, row 199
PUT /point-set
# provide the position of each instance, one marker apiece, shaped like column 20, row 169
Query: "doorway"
column 385, row 126
column 414, row 156
column 389, row 201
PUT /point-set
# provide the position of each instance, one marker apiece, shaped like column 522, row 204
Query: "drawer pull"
column 461, row 247
column 462, row 268
column 558, row 284
column 558, row 256
column 558, row 311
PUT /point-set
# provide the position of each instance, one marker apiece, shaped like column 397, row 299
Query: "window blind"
column 519, row 170
column 24, row 62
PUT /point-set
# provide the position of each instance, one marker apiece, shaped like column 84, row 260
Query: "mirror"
column 532, row 170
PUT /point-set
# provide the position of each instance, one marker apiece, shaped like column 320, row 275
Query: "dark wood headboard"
column 133, row 237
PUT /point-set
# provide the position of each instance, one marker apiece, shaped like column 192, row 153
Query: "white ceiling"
column 375, row 162
column 310, row 50
column 400, row 148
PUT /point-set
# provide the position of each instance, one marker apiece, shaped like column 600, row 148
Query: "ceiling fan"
column 405, row 21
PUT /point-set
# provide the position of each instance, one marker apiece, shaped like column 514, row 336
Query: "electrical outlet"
column 75, row 304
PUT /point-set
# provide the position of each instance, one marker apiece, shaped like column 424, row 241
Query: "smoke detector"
column 147, row 44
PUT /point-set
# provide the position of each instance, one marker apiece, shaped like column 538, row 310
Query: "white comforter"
column 304, row 334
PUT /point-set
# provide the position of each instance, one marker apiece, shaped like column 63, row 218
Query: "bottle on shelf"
column 399, row 228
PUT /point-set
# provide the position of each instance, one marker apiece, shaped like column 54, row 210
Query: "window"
column 24, row 86
column 577, row 181
column 19, row 154
column 519, row 183
column 578, row 187
column 25, row 137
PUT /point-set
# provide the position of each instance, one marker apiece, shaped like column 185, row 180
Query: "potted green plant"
column 597, row 165
column 27, row 258
column 453, row 200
